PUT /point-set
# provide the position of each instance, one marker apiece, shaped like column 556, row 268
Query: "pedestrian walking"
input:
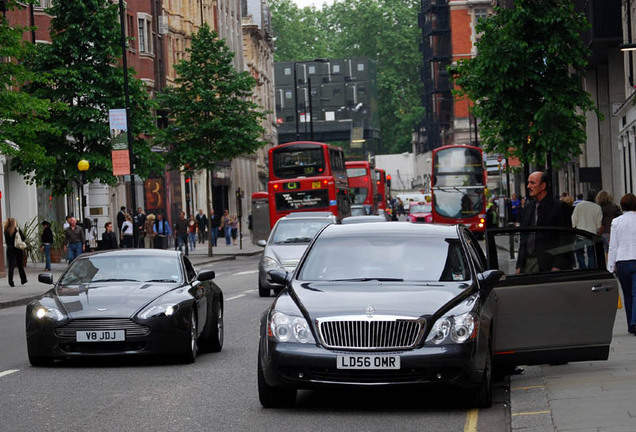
column 74, row 240
column 109, row 238
column 587, row 216
column 14, row 240
column 515, row 208
column 148, row 231
column 215, row 221
column 610, row 212
column 192, row 232
column 121, row 218
column 234, row 228
column 202, row 225
column 140, row 227
column 127, row 233
column 46, row 238
column 181, row 232
column 224, row 228
column 622, row 256
column 161, row 230
column 543, row 210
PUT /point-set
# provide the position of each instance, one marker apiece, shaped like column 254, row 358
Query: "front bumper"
column 310, row 366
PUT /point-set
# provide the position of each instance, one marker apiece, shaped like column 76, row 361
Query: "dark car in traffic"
column 406, row 304
column 123, row 303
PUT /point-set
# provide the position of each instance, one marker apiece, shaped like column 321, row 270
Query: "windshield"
column 359, row 194
column 127, row 268
column 385, row 258
column 420, row 208
column 356, row 172
column 291, row 162
column 459, row 203
column 297, row 231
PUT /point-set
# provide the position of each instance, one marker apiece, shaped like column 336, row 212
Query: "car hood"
column 323, row 299
column 120, row 299
column 288, row 255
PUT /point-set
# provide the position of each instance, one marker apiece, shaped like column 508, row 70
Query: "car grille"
column 132, row 328
column 365, row 333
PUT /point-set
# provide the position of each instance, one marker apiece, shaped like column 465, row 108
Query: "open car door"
column 557, row 302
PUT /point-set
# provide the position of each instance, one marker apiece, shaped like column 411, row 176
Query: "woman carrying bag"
column 15, row 246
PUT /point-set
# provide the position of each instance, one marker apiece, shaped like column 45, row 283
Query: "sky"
column 317, row 3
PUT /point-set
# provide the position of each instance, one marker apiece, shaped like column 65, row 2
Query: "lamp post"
column 83, row 166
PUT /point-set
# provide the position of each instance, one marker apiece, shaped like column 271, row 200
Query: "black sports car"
column 418, row 304
column 126, row 302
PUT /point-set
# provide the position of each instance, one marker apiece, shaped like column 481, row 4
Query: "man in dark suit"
column 536, row 252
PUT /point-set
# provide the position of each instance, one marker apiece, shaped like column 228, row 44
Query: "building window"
column 144, row 27
column 480, row 13
column 287, row 71
column 45, row 3
column 360, row 67
column 288, row 94
column 336, row 68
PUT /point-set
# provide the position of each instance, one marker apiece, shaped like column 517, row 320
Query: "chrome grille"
column 132, row 328
column 378, row 333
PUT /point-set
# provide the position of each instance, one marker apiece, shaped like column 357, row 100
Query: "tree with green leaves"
column 22, row 116
column 83, row 63
column 385, row 31
column 212, row 115
column 526, row 81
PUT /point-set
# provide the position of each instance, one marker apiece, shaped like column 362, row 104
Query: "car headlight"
column 453, row 329
column 287, row 328
column 271, row 263
column 47, row 313
column 159, row 310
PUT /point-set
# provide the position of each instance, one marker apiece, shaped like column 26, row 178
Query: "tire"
column 40, row 360
column 273, row 397
column 481, row 396
column 192, row 347
column 217, row 328
column 263, row 292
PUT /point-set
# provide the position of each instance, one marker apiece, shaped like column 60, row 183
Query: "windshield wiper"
column 366, row 279
column 162, row 280
column 114, row 280
column 297, row 240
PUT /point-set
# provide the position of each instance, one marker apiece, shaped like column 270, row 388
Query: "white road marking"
column 240, row 295
column 245, row 272
column 8, row 372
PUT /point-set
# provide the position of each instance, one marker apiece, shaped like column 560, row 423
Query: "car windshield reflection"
column 297, row 231
column 385, row 258
column 107, row 269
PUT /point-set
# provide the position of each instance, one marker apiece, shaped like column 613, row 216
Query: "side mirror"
column 490, row 277
column 261, row 243
column 46, row 278
column 280, row 277
column 206, row 275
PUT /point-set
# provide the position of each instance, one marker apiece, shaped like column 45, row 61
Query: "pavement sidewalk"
column 22, row 294
column 586, row 396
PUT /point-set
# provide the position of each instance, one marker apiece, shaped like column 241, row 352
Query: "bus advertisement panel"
column 307, row 176
column 362, row 187
column 458, row 191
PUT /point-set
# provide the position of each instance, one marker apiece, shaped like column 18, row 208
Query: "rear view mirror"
column 490, row 277
column 280, row 277
column 261, row 243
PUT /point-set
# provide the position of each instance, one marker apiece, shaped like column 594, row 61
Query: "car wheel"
column 263, row 292
column 192, row 347
column 40, row 360
column 481, row 396
column 273, row 397
column 216, row 336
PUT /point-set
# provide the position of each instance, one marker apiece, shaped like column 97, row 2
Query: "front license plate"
column 368, row 362
column 100, row 336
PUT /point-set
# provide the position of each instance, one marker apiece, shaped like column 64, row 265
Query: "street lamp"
column 83, row 166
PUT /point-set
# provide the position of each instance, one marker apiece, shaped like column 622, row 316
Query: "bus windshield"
column 458, row 203
column 290, row 162
column 356, row 172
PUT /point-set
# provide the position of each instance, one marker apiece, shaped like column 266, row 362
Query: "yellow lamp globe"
column 83, row 165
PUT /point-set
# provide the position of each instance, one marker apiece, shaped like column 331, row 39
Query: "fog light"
column 438, row 376
column 301, row 375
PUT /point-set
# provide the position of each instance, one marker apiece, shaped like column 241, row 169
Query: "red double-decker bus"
column 307, row 176
column 362, row 187
column 380, row 183
column 458, row 187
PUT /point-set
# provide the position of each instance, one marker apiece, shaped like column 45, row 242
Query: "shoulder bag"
column 19, row 243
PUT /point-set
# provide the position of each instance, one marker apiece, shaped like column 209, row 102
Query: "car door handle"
column 602, row 288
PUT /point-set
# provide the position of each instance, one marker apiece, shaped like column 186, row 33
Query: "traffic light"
column 388, row 180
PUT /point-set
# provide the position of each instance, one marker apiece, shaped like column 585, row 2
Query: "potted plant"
column 59, row 237
column 32, row 240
